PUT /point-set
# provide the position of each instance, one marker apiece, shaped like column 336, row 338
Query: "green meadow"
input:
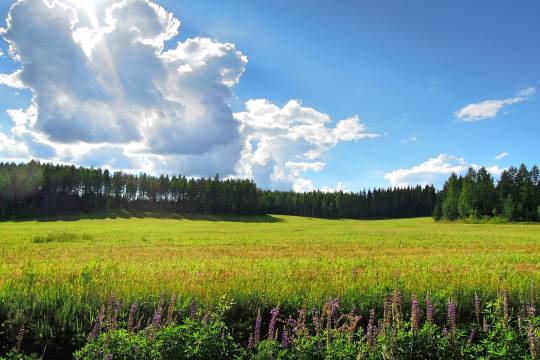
column 269, row 259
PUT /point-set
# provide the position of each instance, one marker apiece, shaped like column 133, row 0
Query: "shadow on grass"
column 135, row 214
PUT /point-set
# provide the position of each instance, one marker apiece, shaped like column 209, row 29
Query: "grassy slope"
column 276, row 258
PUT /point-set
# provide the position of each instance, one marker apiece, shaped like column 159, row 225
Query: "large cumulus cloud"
column 108, row 89
column 282, row 144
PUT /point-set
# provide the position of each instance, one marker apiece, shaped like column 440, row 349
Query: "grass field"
column 54, row 275
column 277, row 258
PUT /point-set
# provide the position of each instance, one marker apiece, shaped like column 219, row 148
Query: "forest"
column 515, row 197
column 35, row 190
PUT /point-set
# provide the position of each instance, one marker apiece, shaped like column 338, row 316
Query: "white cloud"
column 108, row 89
column 11, row 149
column 490, row 108
column 101, row 77
column 501, row 155
column 530, row 91
column 339, row 187
column 411, row 139
column 433, row 171
column 282, row 144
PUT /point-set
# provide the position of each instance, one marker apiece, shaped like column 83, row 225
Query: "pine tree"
column 450, row 202
column 466, row 196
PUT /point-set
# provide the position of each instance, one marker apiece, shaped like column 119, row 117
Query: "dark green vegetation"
column 36, row 190
column 496, row 329
column 516, row 197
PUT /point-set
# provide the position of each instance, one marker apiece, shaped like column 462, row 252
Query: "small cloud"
column 434, row 171
column 339, row 187
column 490, row 108
column 528, row 92
column 411, row 139
column 501, row 156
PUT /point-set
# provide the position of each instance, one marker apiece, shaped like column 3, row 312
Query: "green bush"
column 195, row 338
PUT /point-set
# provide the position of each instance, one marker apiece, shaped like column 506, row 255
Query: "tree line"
column 515, row 197
column 34, row 189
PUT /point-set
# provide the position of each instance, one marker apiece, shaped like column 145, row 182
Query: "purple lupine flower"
column 285, row 337
column 506, row 312
column 452, row 316
column 158, row 314
column 370, row 333
column 533, row 342
column 110, row 356
column 429, row 310
column 292, row 325
column 192, row 308
column 131, row 317
column 445, row 331
column 97, row 326
column 477, row 308
column 485, row 327
column 300, row 325
column 334, row 304
column 272, row 326
column 257, row 330
column 415, row 314
column 250, row 342
column 472, row 335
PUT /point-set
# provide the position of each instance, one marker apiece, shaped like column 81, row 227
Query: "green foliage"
column 198, row 338
column 15, row 355
column 450, row 203
column 516, row 196
column 39, row 190
column 466, row 196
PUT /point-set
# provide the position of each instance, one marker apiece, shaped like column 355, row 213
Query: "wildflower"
column 250, row 342
column 472, row 335
column 131, row 318
column 272, row 326
column 257, row 330
column 452, row 316
column 429, row 310
column 158, row 314
column 97, row 326
column 285, row 337
column 415, row 314
column 445, row 331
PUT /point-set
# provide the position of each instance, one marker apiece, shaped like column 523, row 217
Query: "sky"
column 296, row 95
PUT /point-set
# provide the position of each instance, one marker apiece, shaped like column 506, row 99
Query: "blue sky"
column 405, row 69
